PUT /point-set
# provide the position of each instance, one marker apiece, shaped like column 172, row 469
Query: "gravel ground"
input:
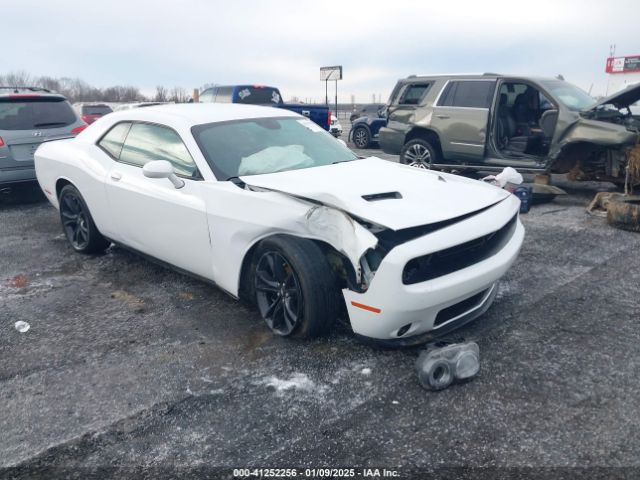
column 130, row 370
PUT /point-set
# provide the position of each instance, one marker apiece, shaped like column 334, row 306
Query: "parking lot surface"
column 128, row 364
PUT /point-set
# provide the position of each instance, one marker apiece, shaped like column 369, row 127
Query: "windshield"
column 30, row 113
column 267, row 145
column 571, row 96
column 96, row 109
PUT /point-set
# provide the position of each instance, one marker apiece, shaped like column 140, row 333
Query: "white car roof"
column 190, row 114
column 182, row 116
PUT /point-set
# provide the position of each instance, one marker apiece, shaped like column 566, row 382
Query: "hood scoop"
column 375, row 197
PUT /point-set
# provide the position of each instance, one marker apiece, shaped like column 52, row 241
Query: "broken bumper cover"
column 392, row 311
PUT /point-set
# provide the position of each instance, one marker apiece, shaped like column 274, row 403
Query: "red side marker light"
column 366, row 307
column 79, row 129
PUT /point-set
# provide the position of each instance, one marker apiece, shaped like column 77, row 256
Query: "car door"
column 461, row 116
column 152, row 215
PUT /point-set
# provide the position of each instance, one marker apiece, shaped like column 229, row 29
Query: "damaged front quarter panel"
column 599, row 133
column 342, row 232
column 337, row 228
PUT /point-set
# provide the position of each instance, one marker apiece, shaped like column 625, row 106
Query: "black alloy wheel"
column 278, row 293
column 74, row 221
column 77, row 223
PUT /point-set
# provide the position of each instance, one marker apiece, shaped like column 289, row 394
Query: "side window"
column 413, row 94
column 114, row 139
column 446, row 98
column 223, row 95
column 147, row 142
column 207, row 95
column 469, row 93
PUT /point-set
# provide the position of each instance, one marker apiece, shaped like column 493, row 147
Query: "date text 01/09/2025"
column 315, row 473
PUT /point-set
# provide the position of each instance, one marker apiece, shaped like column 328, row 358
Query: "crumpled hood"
column 622, row 99
column 426, row 196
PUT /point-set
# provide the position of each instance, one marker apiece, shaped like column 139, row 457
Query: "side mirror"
column 162, row 169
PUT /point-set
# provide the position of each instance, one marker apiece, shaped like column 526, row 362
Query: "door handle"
column 115, row 176
column 443, row 117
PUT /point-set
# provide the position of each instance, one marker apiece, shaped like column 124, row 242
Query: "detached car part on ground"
column 268, row 206
column 28, row 117
column 487, row 122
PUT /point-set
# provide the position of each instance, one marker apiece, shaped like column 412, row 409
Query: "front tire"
column 361, row 137
column 77, row 223
column 419, row 153
column 295, row 290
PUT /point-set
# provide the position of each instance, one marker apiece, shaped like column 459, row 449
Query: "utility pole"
column 612, row 53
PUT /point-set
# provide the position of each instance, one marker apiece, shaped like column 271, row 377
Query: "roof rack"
column 17, row 88
column 459, row 74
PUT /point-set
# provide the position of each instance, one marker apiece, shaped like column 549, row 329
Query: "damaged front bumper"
column 393, row 310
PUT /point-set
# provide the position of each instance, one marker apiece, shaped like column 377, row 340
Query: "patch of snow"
column 297, row 381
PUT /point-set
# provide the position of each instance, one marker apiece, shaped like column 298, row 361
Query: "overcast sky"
column 284, row 42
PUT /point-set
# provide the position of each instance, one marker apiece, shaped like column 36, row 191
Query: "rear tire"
column 295, row 289
column 419, row 153
column 77, row 223
column 361, row 137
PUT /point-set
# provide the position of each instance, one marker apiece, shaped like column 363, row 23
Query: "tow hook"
column 442, row 364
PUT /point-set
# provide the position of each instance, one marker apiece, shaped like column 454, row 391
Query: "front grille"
column 456, row 258
column 459, row 308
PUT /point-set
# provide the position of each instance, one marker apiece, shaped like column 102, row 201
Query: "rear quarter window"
column 114, row 139
column 33, row 113
column 413, row 94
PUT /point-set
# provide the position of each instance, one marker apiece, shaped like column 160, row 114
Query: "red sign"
column 623, row 64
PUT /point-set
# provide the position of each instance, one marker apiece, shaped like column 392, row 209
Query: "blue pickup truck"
column 263, row 95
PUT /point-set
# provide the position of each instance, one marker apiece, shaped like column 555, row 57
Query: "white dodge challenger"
column 270, row 207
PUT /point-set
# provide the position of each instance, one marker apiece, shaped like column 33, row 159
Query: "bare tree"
column 49, row 83
column 17, row 79
column 178, row 95
column 161, row 94
column 76, row 89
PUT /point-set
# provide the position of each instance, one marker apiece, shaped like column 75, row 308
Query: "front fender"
column 596, row 132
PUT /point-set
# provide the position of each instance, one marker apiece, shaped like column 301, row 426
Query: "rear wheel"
column 419, row 153
column 361, row 137
column 77, row 223
column 295, row 289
